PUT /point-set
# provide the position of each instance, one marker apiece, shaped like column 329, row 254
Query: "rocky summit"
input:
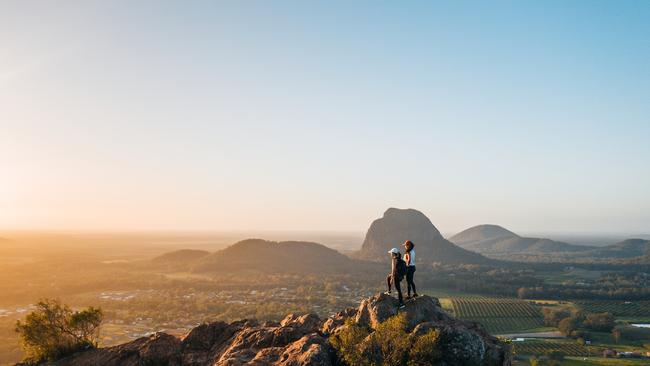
column 301, row 340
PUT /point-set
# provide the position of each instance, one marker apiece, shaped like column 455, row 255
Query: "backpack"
column 401, row 268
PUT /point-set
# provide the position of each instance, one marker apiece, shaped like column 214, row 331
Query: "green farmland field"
column 568, row 348
column 630, row 309
column 499, row 315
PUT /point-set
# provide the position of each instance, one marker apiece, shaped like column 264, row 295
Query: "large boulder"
column 312, row 350
column 466, row 343
column 375, row 310
column 334, row 322
column 461, row 342
column 399, row 225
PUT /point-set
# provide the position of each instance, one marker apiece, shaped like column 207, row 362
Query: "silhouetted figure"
column 398, row 270
column 409, row 258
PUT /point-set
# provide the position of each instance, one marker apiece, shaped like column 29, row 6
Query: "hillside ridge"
column 495, row 239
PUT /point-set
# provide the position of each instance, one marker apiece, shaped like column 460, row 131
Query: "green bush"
column 388, row 345
column 391, row 341
column 425, row 350
column 347, row 343
column 53, row 331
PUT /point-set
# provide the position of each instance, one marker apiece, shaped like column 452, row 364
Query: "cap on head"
column 393, row 251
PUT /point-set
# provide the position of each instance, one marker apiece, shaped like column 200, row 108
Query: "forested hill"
column 279, row 257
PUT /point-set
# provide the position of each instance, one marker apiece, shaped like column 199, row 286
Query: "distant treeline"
column 529, row 284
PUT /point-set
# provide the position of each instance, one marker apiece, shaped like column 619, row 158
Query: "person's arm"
column 393, row 270
column 407, row 258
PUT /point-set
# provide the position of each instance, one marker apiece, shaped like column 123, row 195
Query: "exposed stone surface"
column 299, row 340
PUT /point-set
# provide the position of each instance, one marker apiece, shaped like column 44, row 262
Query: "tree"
column 552, row 316
column 522, row 293
column 616, row 334
column 568, row 325
column 54, row 330
column 602, row 322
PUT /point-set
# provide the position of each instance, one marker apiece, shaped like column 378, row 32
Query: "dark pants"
column 398, row 286
column 410, row 271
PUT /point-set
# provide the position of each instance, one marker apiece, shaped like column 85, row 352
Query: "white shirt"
column 411, row 258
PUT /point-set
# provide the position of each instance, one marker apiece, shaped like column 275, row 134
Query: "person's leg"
column 409, row 280
column 388, row 281
column 415, row 293
column 398, row 287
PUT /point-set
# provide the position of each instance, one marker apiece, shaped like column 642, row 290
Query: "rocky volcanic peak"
column 399, row 225
column 299, row 340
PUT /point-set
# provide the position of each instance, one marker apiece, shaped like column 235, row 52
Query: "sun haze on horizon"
column 321, row 115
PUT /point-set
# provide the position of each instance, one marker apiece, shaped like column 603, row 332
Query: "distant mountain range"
column 472, row 246
column 258, row 255
column 489, row 239
column 496, row 240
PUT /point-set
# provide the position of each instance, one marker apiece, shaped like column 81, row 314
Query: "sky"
column 319, row 115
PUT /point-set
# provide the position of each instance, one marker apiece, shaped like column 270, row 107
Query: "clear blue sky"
column 320, row 115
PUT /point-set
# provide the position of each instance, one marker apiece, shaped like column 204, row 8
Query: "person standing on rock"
column 397, row 273
column 409, row 258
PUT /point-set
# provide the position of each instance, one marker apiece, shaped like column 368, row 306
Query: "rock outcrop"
column 399, row 225
column 462, row 342
column 300, row 340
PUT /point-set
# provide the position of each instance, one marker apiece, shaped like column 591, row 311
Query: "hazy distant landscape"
column 252, row 183
column 172, row 282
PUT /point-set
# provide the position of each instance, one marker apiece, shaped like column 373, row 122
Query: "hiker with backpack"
column 397, row 273
column 409, row 258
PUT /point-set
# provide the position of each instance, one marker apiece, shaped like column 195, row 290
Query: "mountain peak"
column 398, row 225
